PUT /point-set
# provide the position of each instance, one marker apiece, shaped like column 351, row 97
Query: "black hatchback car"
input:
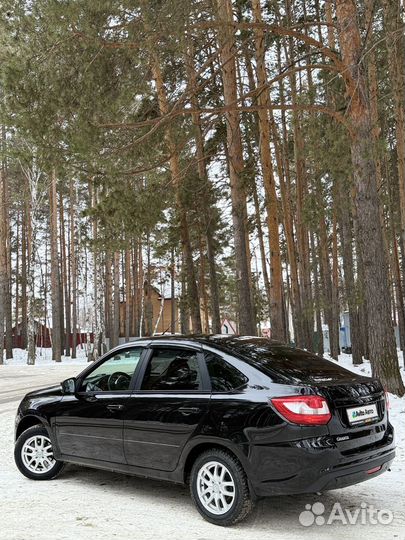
column 235, row 417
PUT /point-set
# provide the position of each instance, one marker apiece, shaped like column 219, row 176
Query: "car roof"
column 219, row 341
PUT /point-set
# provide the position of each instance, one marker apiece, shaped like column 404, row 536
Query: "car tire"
column 219, row 488
column 33, row 455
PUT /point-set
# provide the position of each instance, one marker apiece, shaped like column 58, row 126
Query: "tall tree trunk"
column 73, row 264
column 383, row 353
column 135, row 297
column 262, row 250
column 24, row 269
column 203, row 288
column 148, row 291
column 376, row 129
column 177, row 182
column 61, row 275
column 278, row 330
column 395, row 40
column 326, row 283
column 283, row 166
column 3, row 269
column 184, row 312
column 55, row 282
column 362, row 300
column 32, row 216
column 326, row 275
column 116, row 300
column 141, row 295
column 213, row 276
column 317, row 300
column 346, row 239
column 206, row 199
column 399, row 296
column 108, row 301
column 98, row 274
column 17, row 271
column 301, row 190
column 128, row 299
column 236, row 167
column 65, row 281
column 335, row 288
column 173, row 315
column 5, row 216
column 253, row 128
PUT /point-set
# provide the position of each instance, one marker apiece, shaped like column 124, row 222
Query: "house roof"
column 229, row 323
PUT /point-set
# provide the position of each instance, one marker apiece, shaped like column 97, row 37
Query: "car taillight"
column 303, row 410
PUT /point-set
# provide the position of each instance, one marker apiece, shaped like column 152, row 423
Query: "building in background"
column 228, row 327
column 157, row 313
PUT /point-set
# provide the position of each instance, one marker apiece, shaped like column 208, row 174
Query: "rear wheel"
column 33, row 455
column 219, row 488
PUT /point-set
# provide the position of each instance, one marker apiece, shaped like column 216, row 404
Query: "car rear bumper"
column 309, row 469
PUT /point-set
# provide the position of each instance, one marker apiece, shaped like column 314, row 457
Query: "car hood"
column 35, row 400
column 42, row 396
column 55, row 390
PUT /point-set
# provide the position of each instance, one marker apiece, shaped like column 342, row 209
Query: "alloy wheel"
column 215, row 487
column 37, row 454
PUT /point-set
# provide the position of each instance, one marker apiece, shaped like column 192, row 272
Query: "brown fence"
column 43, row 339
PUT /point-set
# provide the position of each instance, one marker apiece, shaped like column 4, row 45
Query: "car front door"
column 167, row 408
column 89, row 424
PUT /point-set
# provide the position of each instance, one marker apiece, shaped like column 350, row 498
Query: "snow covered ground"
column 44, row 358
column 91, row 504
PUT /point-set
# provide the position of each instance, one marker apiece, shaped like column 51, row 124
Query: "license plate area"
column 364, row 414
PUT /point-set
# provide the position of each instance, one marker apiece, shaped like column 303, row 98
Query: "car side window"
column 223, row 376
column 172, row 369
column 113, row 375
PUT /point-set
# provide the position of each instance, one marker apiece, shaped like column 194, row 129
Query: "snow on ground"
column 98, row 505
column 44, row 357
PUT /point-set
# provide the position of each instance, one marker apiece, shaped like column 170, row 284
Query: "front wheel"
column 219, row 488
column 33, row 454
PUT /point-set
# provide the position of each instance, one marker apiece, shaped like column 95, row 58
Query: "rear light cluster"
column 303, row 410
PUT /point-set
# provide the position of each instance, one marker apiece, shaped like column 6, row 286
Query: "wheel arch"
column 29, row 421
column 194, row 451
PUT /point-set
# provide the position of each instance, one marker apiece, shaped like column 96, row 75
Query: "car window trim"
column 205, row 381
column 170, row 392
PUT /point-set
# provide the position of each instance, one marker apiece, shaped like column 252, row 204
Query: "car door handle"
column 115, row 407
column 189, row 410
column 90, row 399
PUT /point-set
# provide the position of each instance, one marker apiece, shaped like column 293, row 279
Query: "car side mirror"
column 69, row 386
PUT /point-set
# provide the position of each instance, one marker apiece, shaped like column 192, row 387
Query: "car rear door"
column 168, row 408
column 89, row 424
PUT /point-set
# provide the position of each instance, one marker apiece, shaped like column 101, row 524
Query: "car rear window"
column 287, row 364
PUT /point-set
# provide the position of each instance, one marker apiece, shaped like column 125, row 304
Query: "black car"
column 235, row 417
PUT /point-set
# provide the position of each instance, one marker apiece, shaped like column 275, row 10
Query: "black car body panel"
column 158, row 433
column 158, row 426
